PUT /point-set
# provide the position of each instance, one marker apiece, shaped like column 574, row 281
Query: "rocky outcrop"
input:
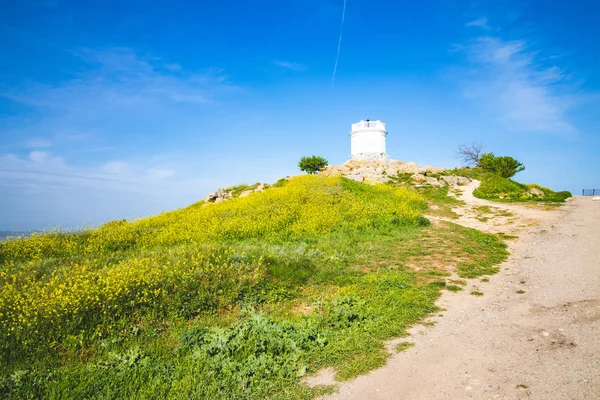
column 381, row 171
column 455, row 180
column 376, row 170
column 218, row 196
column 224, row 194
column 535, row 192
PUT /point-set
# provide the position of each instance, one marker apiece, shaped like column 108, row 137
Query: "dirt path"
column 535, row 334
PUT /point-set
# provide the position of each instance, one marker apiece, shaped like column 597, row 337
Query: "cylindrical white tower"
column 367, row 141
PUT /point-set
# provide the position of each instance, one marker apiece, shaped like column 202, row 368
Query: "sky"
column 123, row 109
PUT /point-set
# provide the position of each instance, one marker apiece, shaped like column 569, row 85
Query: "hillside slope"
column 231, row 300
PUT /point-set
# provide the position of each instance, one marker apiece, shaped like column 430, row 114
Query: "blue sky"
column 122, row 109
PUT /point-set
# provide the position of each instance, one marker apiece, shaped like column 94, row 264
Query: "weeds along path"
column 498, row 218
column 533, row 334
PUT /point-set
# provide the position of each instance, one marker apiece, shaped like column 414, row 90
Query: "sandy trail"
column 543, row 343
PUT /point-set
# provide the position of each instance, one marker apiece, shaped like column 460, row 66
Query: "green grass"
column 439, row 202
column 400, row 347
column 504, row 236
column 454, row 288
column 238, row 189
column 235, row 313
column 497, row 188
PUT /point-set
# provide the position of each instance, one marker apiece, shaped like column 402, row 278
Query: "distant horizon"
column 4, row 232
column 90, row 225
column 136, row 110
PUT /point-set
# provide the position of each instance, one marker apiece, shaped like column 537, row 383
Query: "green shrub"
column 312, row 164
column 505, row 167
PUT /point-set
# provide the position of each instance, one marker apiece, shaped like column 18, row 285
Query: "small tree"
column 506, row 166
column 470, row 154
column 312, row 164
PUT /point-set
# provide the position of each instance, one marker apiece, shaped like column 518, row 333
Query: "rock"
column 433, row 181
column 535, row 192
column 210, row 198
column 455, row 180
column 260, row 188
column 377, row 170
column 223, row 194
column 392, row 171
column 597, row 198
column 409, row 168
column 418, row 178
column 246, row 193
column 463, row 181
column 434, row 170
column 218, row 196
column 450, row 180
column 377, row 178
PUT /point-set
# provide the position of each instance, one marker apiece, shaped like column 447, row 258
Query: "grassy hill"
column 238, row 299
column 497, row 188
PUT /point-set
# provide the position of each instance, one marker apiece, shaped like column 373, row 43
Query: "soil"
column 535, row 332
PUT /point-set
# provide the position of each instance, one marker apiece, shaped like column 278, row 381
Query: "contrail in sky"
column 337, row 57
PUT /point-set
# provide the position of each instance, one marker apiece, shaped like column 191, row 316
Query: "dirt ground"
column 534, row 334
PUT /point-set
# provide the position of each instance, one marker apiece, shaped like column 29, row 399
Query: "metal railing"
column 590, row 192
column 368, row 124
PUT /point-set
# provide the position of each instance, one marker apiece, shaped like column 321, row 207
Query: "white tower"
column 367, row 141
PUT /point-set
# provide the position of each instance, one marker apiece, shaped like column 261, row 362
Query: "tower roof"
column 368, row 124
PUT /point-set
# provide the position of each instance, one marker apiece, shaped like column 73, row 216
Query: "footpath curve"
column 535, row 334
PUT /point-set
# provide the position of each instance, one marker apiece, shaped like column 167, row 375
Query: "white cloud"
column 43, row 160
column 38, row 156
column 480, row 23
column 115, row 167
column 507, row 78
column 120, row 77
column 120, row 100
column 291, row 65
column 37, row 192
column 160, row 173
column 41, row 169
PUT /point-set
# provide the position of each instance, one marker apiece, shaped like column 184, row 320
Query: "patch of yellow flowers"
column 56, row 283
